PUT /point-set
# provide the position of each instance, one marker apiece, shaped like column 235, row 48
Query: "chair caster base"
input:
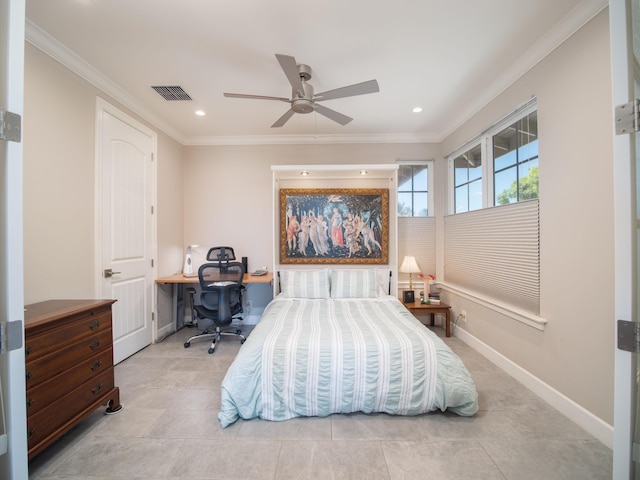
column 187, row 344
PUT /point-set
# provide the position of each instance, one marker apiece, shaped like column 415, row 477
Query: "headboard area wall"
column 343, row 235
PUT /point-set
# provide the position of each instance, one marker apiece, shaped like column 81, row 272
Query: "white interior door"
column 126, row 186
column 13, row 417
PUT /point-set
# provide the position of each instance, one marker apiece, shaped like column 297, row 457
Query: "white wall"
column 574, row 354
column 231, row 186
column 59, row 184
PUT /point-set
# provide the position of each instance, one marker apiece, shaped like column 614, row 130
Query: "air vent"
column 173, row 93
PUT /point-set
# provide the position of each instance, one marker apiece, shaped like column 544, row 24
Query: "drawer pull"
column 29, row 402
column 94, row 325
column 27, row 351
column 29, row 375
column 96, row 365
column 31, row 432
column 95, row 344
column 96, row 389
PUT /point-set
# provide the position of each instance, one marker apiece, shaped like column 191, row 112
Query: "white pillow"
column 305, row 283
column 354, row 283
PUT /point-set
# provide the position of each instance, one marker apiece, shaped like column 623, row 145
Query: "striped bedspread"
column 319, row 357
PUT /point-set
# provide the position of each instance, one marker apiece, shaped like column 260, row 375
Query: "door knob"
column 110, row 273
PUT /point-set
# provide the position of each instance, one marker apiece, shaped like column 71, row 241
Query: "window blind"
column 417, row 237
column 496, row 252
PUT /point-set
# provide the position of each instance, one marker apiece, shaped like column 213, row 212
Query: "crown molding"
column 56, row 50
column 567, row 26
column 309, row 139
column 579, row 16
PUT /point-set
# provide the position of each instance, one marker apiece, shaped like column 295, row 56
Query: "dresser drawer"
column 48, row 392
column 46, row 367
column 63, row 410
column 53, row 339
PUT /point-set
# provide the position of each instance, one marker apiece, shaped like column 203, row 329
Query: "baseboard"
column 576, row 413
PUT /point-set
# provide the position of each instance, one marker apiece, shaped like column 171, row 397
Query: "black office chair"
column 221, row 254
column 220, row 301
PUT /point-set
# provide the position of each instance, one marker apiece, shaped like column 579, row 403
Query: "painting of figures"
column 334, row 226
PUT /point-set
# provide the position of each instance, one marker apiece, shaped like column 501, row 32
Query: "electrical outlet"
column 463, row 315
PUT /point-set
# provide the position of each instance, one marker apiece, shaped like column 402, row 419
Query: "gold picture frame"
column 334, row 225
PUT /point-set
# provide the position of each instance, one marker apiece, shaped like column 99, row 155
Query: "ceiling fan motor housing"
column 302, row 103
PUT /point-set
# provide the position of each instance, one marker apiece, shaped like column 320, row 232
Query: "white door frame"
column 625, row 258
column 14, row 463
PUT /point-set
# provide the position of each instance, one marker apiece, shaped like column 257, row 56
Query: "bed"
column 335, row 342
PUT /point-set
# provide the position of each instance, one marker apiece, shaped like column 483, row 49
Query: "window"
column 515, row 161
column 413, row 190
column 499, row 166
column 492, row 235
column 467, row 169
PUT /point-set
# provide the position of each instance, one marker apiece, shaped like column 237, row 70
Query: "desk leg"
column 432, row 318
column 447, row 320
column 178, row 306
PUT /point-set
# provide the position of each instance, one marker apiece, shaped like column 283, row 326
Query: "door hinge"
column 10, row 126
column 629, row 336
column 10, row 336
column 628, row 117
column 152, row 263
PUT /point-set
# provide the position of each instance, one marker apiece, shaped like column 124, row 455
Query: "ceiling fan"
column 303, row 100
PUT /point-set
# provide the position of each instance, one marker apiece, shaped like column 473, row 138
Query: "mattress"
column 317, row 357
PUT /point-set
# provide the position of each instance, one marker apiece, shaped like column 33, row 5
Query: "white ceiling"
column 449, row 57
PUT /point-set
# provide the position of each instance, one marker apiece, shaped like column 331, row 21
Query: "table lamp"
column 410, row 266
column 187, row 270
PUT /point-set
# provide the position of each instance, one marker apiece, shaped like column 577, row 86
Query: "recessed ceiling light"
column 363, row 172
column 304, row 173
column 200, row 113
column 417, row 109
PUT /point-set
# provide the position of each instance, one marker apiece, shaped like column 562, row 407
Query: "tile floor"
column 168, row 430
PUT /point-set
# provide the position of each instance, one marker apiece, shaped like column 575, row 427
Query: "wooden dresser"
column 69, row 366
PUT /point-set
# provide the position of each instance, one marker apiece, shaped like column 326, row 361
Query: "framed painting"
column 334, row 225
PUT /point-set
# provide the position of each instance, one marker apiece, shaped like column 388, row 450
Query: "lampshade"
column 409, row 265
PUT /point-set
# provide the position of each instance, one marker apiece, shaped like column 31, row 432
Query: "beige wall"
column 231, row 187
column 575, row 352
column 223, row 195
column 59, row 184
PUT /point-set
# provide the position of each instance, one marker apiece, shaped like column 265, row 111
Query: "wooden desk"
column 431, row 309
column 248, row 278
column 178, row 281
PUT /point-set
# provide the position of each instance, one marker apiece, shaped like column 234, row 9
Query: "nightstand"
column 417, row 307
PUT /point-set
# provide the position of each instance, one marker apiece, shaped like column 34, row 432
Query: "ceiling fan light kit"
column 303, row 99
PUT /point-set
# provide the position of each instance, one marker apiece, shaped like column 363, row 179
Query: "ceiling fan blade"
column 332, row 114
column 370, row 86
column 290, row 68
column 283, row 119
column 257, row 97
